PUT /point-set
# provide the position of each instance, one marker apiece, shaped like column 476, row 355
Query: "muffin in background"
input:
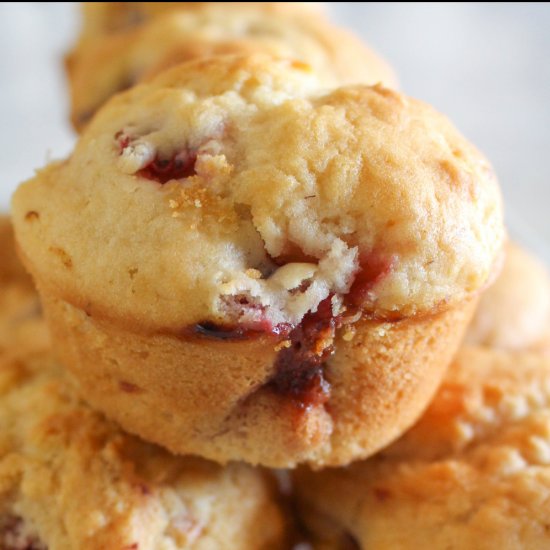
column 99, row 68
column 69, row 479
column 473, row 473
column 100, row 19
column 514, row 313
column 22, row 329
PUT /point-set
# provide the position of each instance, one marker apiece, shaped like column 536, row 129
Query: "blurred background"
column 486, row 65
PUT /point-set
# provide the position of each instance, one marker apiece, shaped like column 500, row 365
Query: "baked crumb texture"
column 473, row 473
column 283, row 271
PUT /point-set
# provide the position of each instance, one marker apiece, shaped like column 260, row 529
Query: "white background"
column 486, row 65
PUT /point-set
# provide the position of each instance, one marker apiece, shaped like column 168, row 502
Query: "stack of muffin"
column 264, row 256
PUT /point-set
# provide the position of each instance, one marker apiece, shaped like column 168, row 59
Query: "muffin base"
column 213, row 398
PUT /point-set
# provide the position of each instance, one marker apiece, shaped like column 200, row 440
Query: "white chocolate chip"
column 136, row 156
column 291, row 275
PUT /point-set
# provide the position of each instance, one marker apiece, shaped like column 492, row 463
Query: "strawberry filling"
column 162, row 170
column 305, row 348
column 373, row 269
column 180, row 166
column 299, row 368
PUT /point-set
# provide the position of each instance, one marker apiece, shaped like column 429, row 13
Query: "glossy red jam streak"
column 373, row 269
column 299, row 369
column 178, row 167
column 162, row 170
column 13, row 536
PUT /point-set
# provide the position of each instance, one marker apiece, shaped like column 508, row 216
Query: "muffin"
column 106, row 66
column 473, row 473
column 515, row 312
column 102, row 19
column 63, row 448
column 12, row 273
column 238, row 264
column 71, row 480
column 21, row 328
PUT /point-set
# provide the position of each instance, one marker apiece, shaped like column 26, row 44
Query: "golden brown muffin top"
column 238, row 190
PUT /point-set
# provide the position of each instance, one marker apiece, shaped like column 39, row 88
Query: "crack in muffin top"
column 238, row 190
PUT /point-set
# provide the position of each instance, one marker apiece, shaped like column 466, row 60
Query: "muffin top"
column 514, row 313
column 116, row 62
column 101, row 19
column 238, row 190
column 473, row 473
